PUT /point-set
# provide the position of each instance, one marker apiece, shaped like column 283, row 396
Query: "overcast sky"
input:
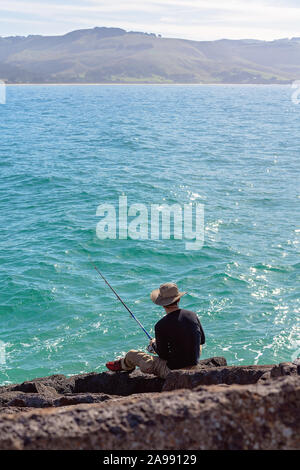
column 191, row 19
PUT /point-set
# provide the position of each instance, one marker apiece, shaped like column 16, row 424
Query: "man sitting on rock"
column 178, row 338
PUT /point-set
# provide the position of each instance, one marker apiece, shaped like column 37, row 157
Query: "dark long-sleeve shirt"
column 178, row 336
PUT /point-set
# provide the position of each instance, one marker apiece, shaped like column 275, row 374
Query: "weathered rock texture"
column 110, row 383
column 218, row 375
column 213, row 407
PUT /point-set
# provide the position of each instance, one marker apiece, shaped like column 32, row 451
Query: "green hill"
column 112, row 55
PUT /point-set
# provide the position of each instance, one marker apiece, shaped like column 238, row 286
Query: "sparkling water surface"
column 66, row 149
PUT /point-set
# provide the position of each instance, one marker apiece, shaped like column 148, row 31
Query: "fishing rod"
column 118, row 297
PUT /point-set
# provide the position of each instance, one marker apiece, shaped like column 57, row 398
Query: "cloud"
column 191, row 19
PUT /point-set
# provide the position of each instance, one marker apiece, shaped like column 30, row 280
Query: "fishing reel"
column 151, row 347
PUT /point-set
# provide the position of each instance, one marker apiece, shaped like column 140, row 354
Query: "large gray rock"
column 285, row 368
column 265, row 416
column 60, row 383
column 36, row 400
column 111, row 383
column 217, row 361
column 58, row 390
column 280, row 370
column 215, row 375
column 21, row 400
column 118, row 383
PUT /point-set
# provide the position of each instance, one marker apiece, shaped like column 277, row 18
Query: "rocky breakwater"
column 212, row 407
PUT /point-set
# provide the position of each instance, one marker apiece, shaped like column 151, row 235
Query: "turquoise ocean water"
column 67, row 149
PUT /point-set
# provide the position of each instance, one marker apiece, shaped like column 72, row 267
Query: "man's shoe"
column 115, row 366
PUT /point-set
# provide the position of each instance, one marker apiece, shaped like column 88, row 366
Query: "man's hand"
column 151, row 346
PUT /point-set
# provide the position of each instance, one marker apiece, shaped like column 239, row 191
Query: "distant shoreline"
column 148, row 84
column 140, row 58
